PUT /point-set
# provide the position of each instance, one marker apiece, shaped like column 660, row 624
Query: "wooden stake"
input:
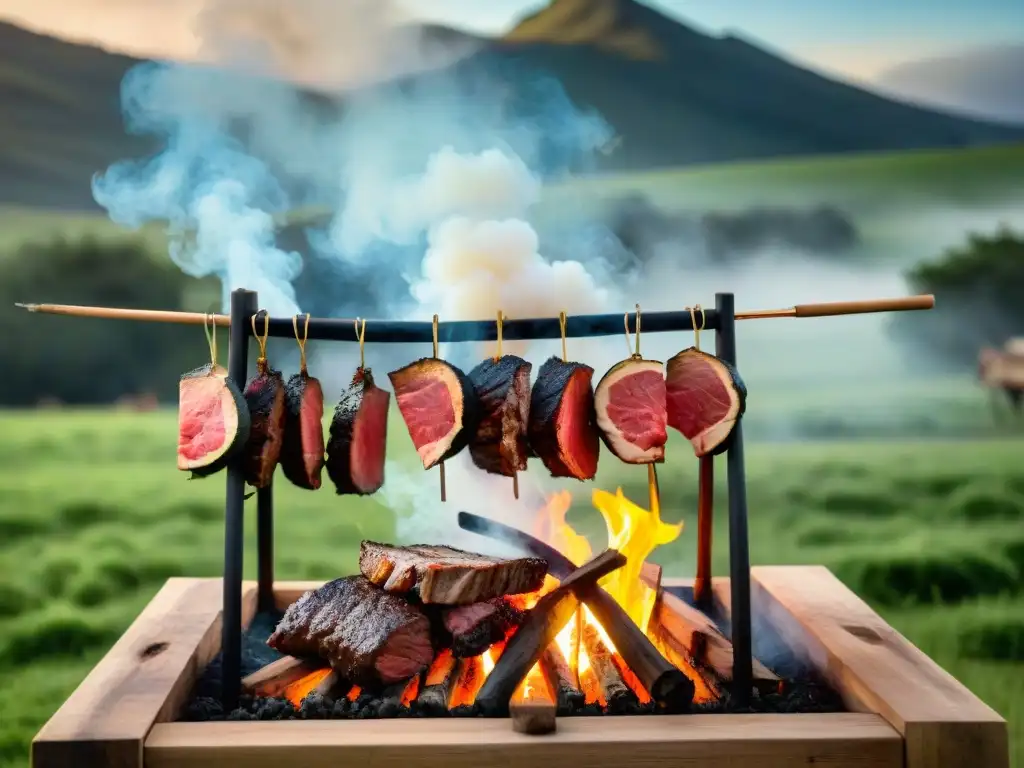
column 705, row 524
column 515, row 484
column 532, row 707
column 653, row 492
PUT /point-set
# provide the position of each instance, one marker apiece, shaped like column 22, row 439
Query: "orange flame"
column 304, row 686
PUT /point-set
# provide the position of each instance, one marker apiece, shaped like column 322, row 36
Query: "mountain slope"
column 988, row 82
column 674, row 96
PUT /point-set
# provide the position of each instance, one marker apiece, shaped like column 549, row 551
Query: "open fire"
column 561, row 656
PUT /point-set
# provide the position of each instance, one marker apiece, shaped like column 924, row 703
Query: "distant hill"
column 987, row 82
column 674, row 96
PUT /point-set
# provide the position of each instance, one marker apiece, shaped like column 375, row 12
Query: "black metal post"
column 243, row 307
column 739, row 547
column 265, row 548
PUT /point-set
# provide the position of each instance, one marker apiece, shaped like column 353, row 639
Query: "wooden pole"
column 705, row 525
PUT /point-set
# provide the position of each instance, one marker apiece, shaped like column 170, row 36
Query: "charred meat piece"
column 439, row 407
column 358, row 443
column 630, row 405
column 503, row 388
column 475, row 628
column 563, row 430
column 705, row 398
column 213, row 420
column 368, row 636
column 302, row 453
column 265, row 396
column 447, row 575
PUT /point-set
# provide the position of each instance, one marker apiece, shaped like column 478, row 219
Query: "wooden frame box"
column 905, row 711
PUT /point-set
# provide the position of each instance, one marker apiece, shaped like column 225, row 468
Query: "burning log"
column 561, row 680
column 322, row 681
column 544, row 621
column 437, row 684
column 532, row 707
column 670, row 688
column 613, row 693
column 272, row 680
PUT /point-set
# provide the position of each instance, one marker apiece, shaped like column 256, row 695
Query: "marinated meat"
column 264, row 395
column 213, row 421
column 441, row 574
column 630, row 405
column 302, row 453
column 563, row 430
column 358, row 441
column 439, row 407
column 502, row 387
column 705, row 399
column 370, row 637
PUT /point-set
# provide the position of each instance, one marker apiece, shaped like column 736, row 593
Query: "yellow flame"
column 553, row 528
column 635, row 532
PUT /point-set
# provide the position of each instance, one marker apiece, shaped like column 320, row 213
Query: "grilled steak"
column 503, row 388
column 705, row 398
column 358, row 443
column 264, row 395
column 302, row 453
column 474, row 628
column 563, row 431
column 630, row 405
column 446, row 575
column 213, row 421
column 368, row 636
column 439, row 407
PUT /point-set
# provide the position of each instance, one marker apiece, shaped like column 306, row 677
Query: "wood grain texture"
column 144, row 679
column 680, row 741
column 943, row 724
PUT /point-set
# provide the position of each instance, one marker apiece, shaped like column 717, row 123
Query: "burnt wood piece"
column 705, row 525
column 533, row 709
column 446, row 575
column 543, row 622
column 616, row 695
column 683, row 627
column 670, row 688
column 271, row 680
column 435, row 691
column 561, row 680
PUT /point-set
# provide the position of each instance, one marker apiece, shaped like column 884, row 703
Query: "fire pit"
column 778, row 666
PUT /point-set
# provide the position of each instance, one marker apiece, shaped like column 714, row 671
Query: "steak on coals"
column 705, row 398
column 358, row 441
column 563, row 432
column 213, row 420
column 502, row 387
column 302, row 453
column 370, row 637
column 439, row 407
column 472, row 629
column 264, row 395
column 446, row 575
column 630, row 405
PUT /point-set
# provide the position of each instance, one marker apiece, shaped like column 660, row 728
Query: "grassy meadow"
column 94, row 516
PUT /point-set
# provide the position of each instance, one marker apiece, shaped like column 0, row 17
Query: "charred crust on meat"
column 264, row 395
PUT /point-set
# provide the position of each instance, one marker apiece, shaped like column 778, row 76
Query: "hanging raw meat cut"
column 630, row 405
column 358, row 442
column 502, row 387
column 563, row 430
column 705, row 399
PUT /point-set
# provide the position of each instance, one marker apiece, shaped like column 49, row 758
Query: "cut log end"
column 532, row 708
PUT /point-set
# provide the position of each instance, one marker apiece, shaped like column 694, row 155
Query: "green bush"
column 993, row 640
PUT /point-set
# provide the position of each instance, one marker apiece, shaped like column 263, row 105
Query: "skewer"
column 485, row 330
column 705, row 498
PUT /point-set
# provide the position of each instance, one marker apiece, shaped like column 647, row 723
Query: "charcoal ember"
column 388, row 708
column 203, row 709
column 315, row 707
column 592, row 709
column 464, row 710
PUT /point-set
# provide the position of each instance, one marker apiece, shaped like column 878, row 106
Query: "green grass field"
column 94, row 517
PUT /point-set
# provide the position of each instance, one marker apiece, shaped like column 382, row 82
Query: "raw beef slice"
column 357, row 447
column 563, row 430
column 705, row 399
column 503, row 388
column 302, row 453
column 213, row 420
column 630, row 405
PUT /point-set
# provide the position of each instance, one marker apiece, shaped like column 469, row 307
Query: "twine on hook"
column 500, row 323
column 261, row 361
column 302, row 341
column 211, row 336
column 434, row 329
column 361, row 338
column 693, row 321
column 562, row 320
column 629, row 344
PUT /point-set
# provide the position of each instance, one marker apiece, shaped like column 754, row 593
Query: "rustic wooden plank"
column 287, row 592
column 943, row 724
column 680, row 741
column 145, row 678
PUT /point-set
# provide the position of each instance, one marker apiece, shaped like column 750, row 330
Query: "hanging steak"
column 705, row 398
column 474, row 628
column 502, row 387
column 562, row 429
column 213, row 420
column 441, row 574
column 630, row 405
column 302, row 453
column 439, row 407
column 265, row 396
column 369, row 636
column 358, row 442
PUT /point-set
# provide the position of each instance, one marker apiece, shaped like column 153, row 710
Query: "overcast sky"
column 840, row 36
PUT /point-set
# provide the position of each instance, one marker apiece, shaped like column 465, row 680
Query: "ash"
column 799, row 694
